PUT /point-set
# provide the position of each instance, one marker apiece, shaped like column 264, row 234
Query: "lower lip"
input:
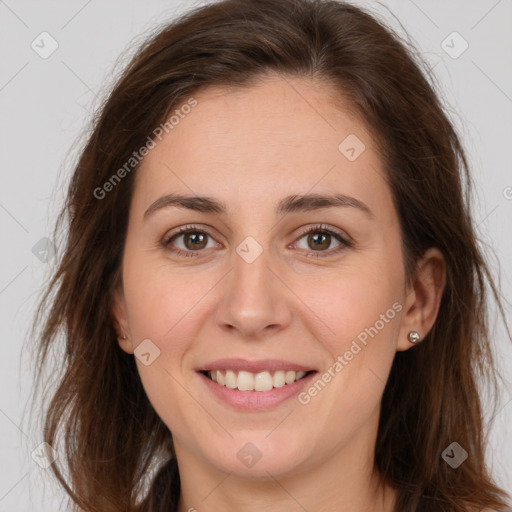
column 256, row 400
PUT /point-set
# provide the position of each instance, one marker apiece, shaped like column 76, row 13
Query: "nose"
column 255, row 302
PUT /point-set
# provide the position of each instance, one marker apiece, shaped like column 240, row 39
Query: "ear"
column 120, row 320
column 423, row 297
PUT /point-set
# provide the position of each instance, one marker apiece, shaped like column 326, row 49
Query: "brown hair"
column 111, row 434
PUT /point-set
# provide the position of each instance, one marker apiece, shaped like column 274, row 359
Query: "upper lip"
column 239, row 364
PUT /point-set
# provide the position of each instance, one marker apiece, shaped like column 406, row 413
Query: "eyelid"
column 187, row 227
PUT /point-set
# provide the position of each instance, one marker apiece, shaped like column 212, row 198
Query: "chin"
column 258, row 454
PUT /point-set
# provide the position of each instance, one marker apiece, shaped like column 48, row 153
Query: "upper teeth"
column 262, row 381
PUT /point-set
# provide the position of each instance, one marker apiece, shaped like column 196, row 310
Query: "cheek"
column 162, row 307
column 160, row 300
column 352, row 300
column 361, row 312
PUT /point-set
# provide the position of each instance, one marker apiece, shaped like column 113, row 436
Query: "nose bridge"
column 254, row 300
column 251, row 274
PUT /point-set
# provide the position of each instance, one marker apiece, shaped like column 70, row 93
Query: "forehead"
column 274, row 138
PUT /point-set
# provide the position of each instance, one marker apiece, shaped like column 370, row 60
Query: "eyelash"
column 320, row 228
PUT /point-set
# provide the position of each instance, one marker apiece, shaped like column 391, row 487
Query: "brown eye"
column 319, row 240
column 194, row 240
column 188, row 241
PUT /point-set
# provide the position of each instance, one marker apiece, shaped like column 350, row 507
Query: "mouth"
column 254, row 385
column 262, row 381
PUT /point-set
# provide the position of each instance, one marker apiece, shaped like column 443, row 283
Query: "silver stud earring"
column 414, row 336
column 123, row 337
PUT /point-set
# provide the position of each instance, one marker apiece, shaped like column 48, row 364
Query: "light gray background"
column 46, row 103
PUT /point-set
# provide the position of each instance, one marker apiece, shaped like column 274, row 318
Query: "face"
column 249, row 294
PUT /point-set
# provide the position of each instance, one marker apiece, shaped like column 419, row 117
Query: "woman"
column 271, row 293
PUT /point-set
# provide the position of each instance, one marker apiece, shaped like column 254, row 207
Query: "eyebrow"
column 290, row 204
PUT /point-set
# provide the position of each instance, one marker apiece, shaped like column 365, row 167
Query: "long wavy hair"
column 116, row 454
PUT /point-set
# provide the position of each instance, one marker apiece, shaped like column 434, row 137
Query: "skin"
column 287, row 304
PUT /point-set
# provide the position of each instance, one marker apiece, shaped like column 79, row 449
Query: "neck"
column 345, row 482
